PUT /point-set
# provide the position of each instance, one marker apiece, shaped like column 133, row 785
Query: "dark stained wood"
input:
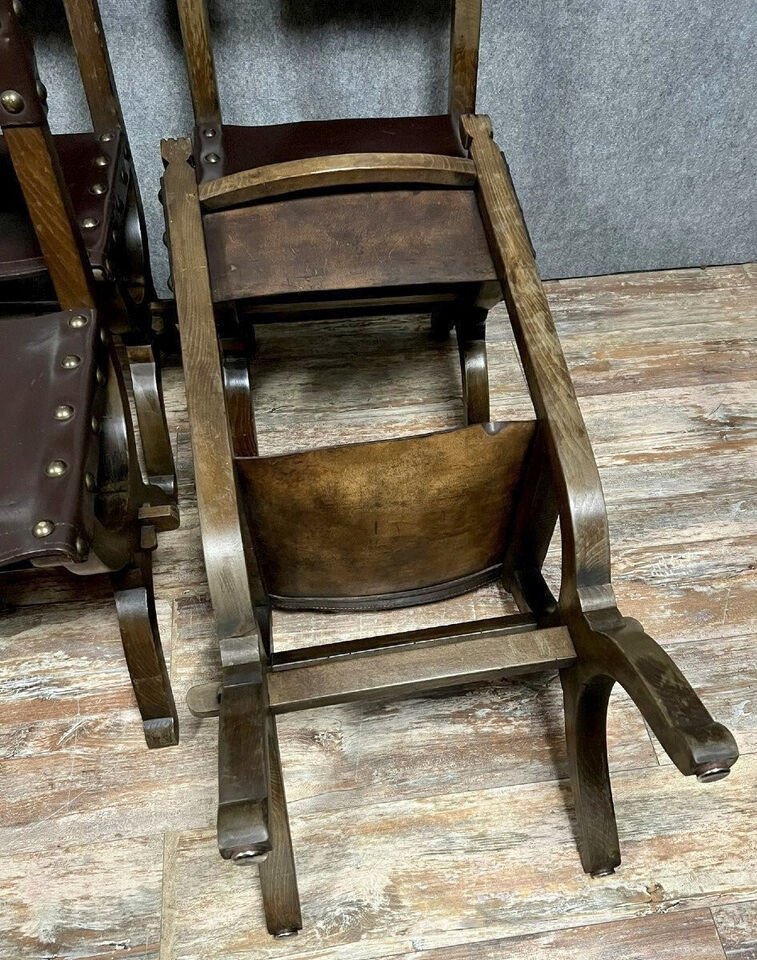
column 352, row 170
column 347, row 242
column 368, row 520
column 421, row 667
column 609, row 647
column 211, row 441
column 471, row 340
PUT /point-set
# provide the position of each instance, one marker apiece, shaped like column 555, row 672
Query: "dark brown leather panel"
column 37, row 388
column 247, row 147
column 80, row 156
column 394, row 517
column 18, row 73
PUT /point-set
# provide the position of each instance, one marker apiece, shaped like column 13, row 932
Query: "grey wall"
column 629, row 124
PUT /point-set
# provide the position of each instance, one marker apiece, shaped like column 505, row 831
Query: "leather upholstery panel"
column 33, row 384
column 247, row 147
column 20, row 255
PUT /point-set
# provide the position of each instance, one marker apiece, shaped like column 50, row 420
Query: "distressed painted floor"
column 439, row 828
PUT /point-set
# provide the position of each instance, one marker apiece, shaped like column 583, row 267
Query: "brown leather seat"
column 48, row 390
column 248, row 147
column 81, row 156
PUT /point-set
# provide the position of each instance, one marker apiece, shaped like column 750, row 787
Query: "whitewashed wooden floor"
column 441, row 828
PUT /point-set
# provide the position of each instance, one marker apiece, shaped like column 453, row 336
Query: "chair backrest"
column 198, row 52
column 23, row 118
column 389, row 523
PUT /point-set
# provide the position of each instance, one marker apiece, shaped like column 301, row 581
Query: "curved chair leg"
column 238, row 391
column 586, row 700
column 135, row 606
column 610, row 649
column 471, row 342
column 151, row 417
column 278, row 876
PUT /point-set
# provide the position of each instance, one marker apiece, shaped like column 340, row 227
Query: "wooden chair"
column 72, row 493
column 335, row 219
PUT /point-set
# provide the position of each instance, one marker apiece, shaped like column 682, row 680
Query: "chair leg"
column 610, row 649
column 151, row 417
column 243, row 834
column 278, row 877
column 471, row 342
column 586, row 701
column 135, row 606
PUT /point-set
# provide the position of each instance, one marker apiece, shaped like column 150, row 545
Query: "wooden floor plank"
column 90, row 902
column 689, row 934
column 737, row 925
column 428, row 873
column 438, row 826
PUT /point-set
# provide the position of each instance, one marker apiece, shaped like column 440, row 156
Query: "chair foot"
column 611, row 649
column 278, row 877
column 586, row 701
column 135, row 606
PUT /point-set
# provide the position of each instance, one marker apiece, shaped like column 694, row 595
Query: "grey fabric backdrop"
column 629, row 124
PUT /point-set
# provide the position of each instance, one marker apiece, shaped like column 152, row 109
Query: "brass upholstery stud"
column 89, row 482
column 89, row 223
column 101, row 378
column 212, row 157
column 105, row 137
column 70, row 361
column 210, row 132
column 81, row 545
column 64, row 412
column 101, row 161
column 12, row 101
column 41, row 90
column 18, row 9
column 95, row 424
column 56, row 468
column 98, row 189
column 78, row 321
column 43, row 528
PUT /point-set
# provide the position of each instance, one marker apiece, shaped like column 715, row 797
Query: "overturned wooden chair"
column 72, row 491
column 337, row 219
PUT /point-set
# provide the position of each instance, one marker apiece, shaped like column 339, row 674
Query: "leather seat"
column 49, row 393
column 81, row 158
column 248, row 147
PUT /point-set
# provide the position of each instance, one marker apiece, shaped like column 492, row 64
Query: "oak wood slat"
column 346, row 242
column 349, row 169
column 423, row 667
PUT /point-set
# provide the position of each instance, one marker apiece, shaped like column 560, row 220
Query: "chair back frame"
column 465, row 30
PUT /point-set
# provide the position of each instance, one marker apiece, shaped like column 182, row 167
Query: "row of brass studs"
column 63, row 412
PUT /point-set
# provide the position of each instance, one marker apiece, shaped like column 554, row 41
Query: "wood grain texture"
column 465, row 35
column 36, row 165
column 358, row 241
column 352, row 169
column 737, row 926
column 93, row 60
column 198, row 53
column 676, row 446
